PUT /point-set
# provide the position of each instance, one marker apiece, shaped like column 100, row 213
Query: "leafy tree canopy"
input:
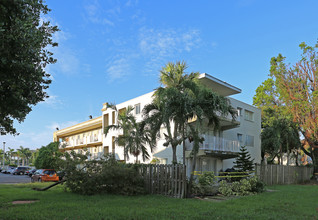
column 24, row 39
column 49, row 157
column 296, row 88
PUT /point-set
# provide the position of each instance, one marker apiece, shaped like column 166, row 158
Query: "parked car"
column 20, row 170
column 44, row 175
column 8, row 170
column 30, row 172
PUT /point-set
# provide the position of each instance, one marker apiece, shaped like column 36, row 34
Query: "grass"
column 286, row 202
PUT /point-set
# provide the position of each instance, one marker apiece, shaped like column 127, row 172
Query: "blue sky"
column 112, row 51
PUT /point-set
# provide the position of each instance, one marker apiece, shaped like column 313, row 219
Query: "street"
column 9, row 178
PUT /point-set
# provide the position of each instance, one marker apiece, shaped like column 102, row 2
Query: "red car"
column 44, row 175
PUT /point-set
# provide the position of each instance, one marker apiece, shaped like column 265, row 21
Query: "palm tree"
column 22, row 154
column 27, row 154
column 10, row 154
column 207, row 107
column 170, row 106
column 135, row 136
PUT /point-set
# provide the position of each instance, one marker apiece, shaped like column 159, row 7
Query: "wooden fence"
column 272, row 174
column 169, row 180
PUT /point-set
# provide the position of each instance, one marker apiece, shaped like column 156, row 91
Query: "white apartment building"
column 217, row 151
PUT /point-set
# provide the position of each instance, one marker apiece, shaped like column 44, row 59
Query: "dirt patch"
column 216, row 198
column 24, row 202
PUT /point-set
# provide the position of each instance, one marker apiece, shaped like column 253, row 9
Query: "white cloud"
column 166, row 44
column 35, row 140
column 67, row 61
column 153, row 49
column 167, row 41
column 53, row 101
column 96, row 15
column 118, row 68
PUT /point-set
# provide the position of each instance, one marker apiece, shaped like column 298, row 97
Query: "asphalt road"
column 9, row 178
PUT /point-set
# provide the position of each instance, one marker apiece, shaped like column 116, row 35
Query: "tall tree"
column 267, row 98
column 298, row 88
column 22, row 153
column 170, row 106
column 24, row 39
column 280, row 137
column 206, row 108
column 10, row 154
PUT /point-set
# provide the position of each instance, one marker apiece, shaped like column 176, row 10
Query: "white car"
column 10, row 170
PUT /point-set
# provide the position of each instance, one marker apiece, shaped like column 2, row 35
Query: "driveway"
column 9, row 178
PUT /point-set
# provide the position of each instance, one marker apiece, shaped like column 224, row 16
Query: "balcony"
column 216, row 147
column 86, row 141
column 226, row 121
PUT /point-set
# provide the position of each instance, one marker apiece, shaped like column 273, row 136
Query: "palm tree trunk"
column 184, row 147
column 174, row 154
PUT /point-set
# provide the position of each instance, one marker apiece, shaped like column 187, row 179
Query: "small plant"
column 207, row 178
column 225, row 188
column 241, row 188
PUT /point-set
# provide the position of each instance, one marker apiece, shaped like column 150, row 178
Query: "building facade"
column 216, row 153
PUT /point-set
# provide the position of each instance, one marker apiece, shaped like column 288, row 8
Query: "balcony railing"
column 213, row 143
column 81, row 141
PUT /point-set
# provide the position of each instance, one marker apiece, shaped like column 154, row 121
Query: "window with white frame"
column 249, row 141
column 249, row 115
column 240, row 138
column 137, row 109
column 239, row 111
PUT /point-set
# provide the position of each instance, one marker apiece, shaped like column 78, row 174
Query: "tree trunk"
column 136, row 159
column 194, row 161
column 287, row 154
column 184, row 147
column 281, row 155
column 174, row 154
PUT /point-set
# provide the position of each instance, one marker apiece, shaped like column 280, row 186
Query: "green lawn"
column 288, row 202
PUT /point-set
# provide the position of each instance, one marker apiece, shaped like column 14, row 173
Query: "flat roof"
column 221, row 87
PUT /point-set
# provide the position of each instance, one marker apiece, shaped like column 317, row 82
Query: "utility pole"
column 4, row 150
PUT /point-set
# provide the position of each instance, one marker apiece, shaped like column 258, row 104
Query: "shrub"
column 101, row 176
column 225, row 188
column 207, row 179
column 242, row 187
column 205, row 184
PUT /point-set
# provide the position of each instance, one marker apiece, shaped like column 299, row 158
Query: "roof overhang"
column 80, row 128
column 218, row 86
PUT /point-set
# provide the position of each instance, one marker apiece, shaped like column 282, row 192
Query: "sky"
column 112, row 51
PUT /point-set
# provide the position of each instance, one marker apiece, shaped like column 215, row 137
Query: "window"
column 249, row 141
column 249, row 115
column 163, row 160
column 106, row 150
column 240, row 138
column 239, row 111
column 106, row 122
column 113, row 117
column 137, row 109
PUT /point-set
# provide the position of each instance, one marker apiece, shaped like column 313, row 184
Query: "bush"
column 101, row 176
column 241, row 188
column 205, row 184
column 225, row 188
column 207, row 179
